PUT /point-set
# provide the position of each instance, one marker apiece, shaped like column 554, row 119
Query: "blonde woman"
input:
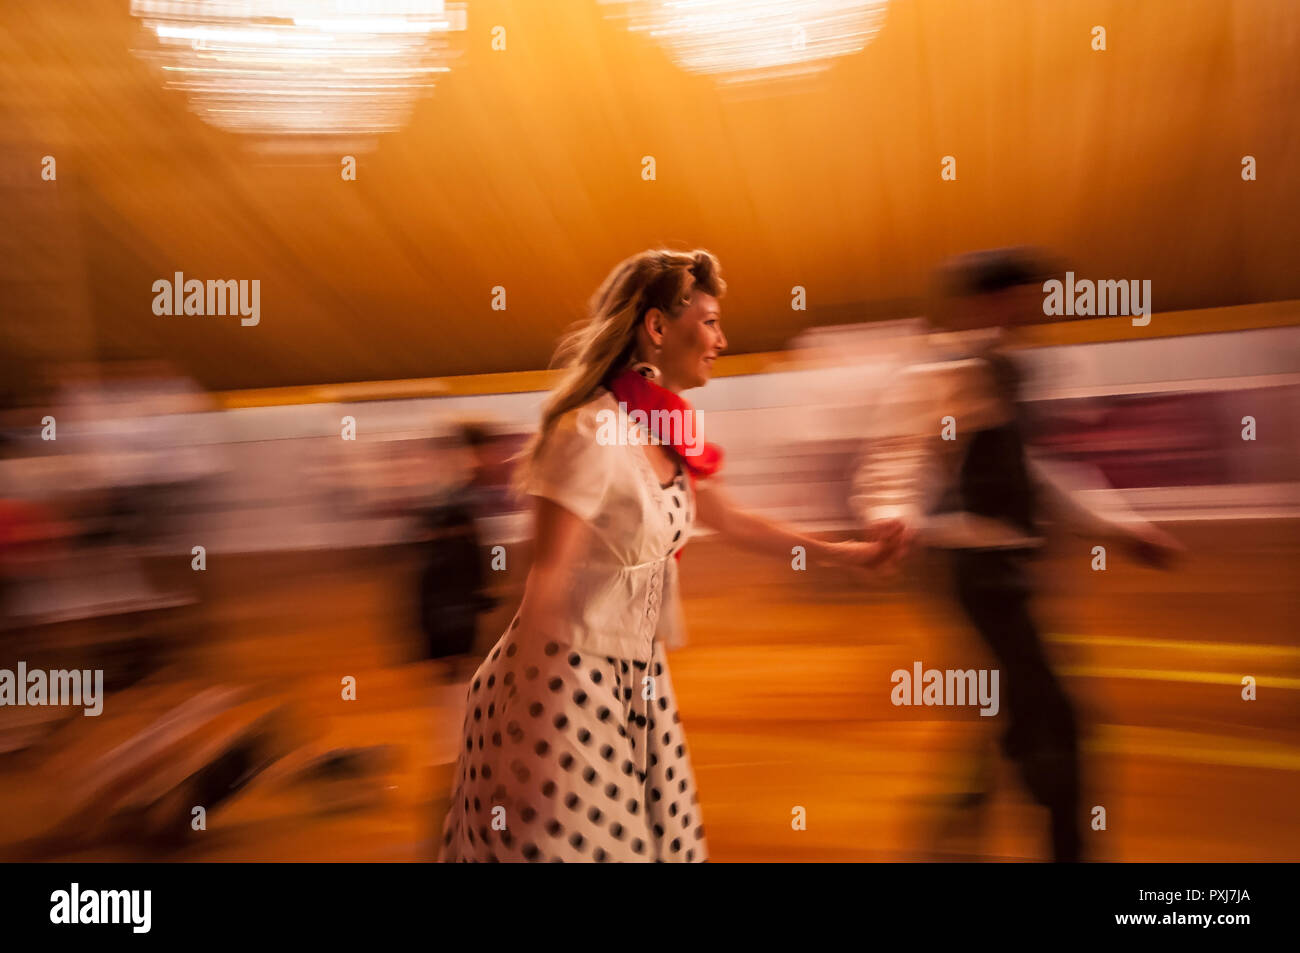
column 573, row 749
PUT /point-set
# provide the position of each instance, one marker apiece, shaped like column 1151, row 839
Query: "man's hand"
column 1150, row 546
column 895, row 533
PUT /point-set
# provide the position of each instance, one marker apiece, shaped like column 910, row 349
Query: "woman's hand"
column 857, row 554
column 716, row 510
column 880, row 554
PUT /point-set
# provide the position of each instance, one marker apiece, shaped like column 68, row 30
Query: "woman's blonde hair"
column 606, row 339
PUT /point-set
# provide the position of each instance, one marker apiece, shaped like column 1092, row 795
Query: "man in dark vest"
column 948, row 464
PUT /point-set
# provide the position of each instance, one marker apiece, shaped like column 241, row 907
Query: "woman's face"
column 690, row 343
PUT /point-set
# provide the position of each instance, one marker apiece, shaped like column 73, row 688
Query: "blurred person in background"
column 949, row 467
column 573, row 748
column 452, row 584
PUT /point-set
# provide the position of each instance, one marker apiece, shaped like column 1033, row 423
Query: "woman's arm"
column 719, row 512
column 559, row 540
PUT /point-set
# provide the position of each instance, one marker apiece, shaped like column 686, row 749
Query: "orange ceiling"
column 523, row 169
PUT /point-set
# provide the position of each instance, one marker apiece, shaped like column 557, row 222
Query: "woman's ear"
column 654, row 324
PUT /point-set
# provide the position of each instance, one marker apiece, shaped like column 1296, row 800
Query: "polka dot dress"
column 570, row 757
column 573, row 749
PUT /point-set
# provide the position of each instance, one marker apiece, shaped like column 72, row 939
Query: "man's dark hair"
column 988, row 272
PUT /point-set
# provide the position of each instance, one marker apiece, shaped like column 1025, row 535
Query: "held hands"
column 889, row 542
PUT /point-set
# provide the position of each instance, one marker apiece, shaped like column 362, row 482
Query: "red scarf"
column 638, row 393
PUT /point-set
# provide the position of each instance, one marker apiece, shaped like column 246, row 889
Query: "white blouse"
column 624, row 592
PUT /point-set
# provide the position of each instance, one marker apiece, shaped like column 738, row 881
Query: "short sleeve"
column 572, row 466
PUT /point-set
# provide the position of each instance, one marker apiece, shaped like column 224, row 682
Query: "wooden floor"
column 784, row 690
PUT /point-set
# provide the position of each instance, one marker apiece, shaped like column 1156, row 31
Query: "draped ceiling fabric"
column 523, row 170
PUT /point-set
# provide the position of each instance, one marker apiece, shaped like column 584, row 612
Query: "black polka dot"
column 584, row 736
column 561, row 721
column 580, row 697
column 595, row 675
column 577, row 840
column 555, row 684
column 554, row 827
column 552, row 648
column 530, row 672
column 575, row 659
column 611, row 790
column 602, row 713
column 542, row 748
column 571, row 801
column 549, row 788
column 511, row 649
